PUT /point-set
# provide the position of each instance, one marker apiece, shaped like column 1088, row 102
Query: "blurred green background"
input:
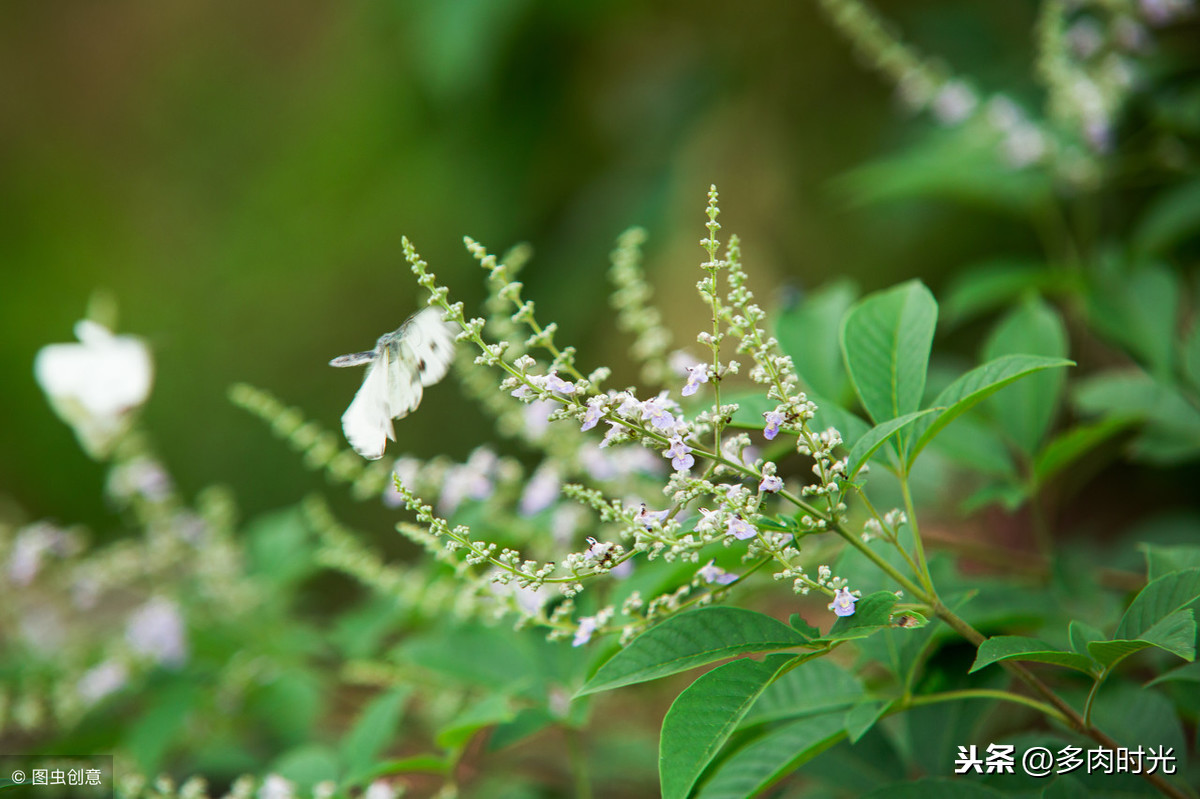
column 239, row 175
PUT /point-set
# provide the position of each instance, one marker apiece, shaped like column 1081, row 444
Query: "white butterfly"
column 416, row 355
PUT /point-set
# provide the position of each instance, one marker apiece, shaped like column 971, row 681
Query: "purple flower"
column 648, row 518
column 655, row 411
column 770, row 484
column 556, row 384
column 739, row 528
column 696, row 375
column 522, row 392
column 843, row 602
column 773, row 420
column 587, row 626
column 680, row 455
column 713, row 574
column 630, row 405
column 157, row 630
column 595, row 409
column 541, row 491
column 709, row 522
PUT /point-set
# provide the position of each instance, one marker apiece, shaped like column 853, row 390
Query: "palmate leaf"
column 936, row 788
column 1163, row 615
column 693, row 639
column 871, row 614
column 1026, row 411
column 376, row 727
column 886, row 339
column 773, row 755
column 815, row 687
column 976, row 386
column 807, row 333
column 1017, row 647
column 866, row 446
column 705, row 714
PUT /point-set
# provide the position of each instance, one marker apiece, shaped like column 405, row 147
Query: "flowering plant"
column 812, row 503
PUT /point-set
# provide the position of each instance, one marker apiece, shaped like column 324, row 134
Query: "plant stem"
column 911, row 511
column 985, row 693
column 583, row 785
column 1073, row 719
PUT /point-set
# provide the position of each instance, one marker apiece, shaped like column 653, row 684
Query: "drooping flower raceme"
column 95, row 385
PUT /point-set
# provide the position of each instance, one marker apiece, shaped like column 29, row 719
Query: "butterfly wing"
column 403, row 384
column 429, row 341
column 400, row 366
column 367, row 423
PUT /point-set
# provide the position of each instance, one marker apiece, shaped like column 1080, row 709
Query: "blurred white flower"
column 100, row 681
column 276, row 787
column 541, row 490
column 94, row 385
column 30, row 547
column 156, row 630
column 954, row 102
column 380, row 789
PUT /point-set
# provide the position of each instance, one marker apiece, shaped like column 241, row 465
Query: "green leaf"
column 1161, row 615
column 1071, row 445
column 528, row 721
column 871, row 614
column 1189, row 353
column 374, row 730
column 1170, row 219
column 830, row 414
column 1188, row 672
column 971, row 443
column 1139, row 309
column 1139, row 716
column 766, row 759
column 1081, row 634
column 689, row 640
column 866, row 446
column 862, row 717
column 797, row 622
column 807, row 333
column 1173, row 424
column 1175, row 633
column 493, row 709
column 1162, row 560
column 424, row 764
column 502, row 661
column 935, row 788
column 982, row 287
column 702, row 718
column 886, row 339
column 1066, row 787
column 960, row 164
column 815, row 687
column 280, row 546
column 1026, row 411
column 976, row 386
column 307, row 765
column 1017, row 647
column 1160, row 598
